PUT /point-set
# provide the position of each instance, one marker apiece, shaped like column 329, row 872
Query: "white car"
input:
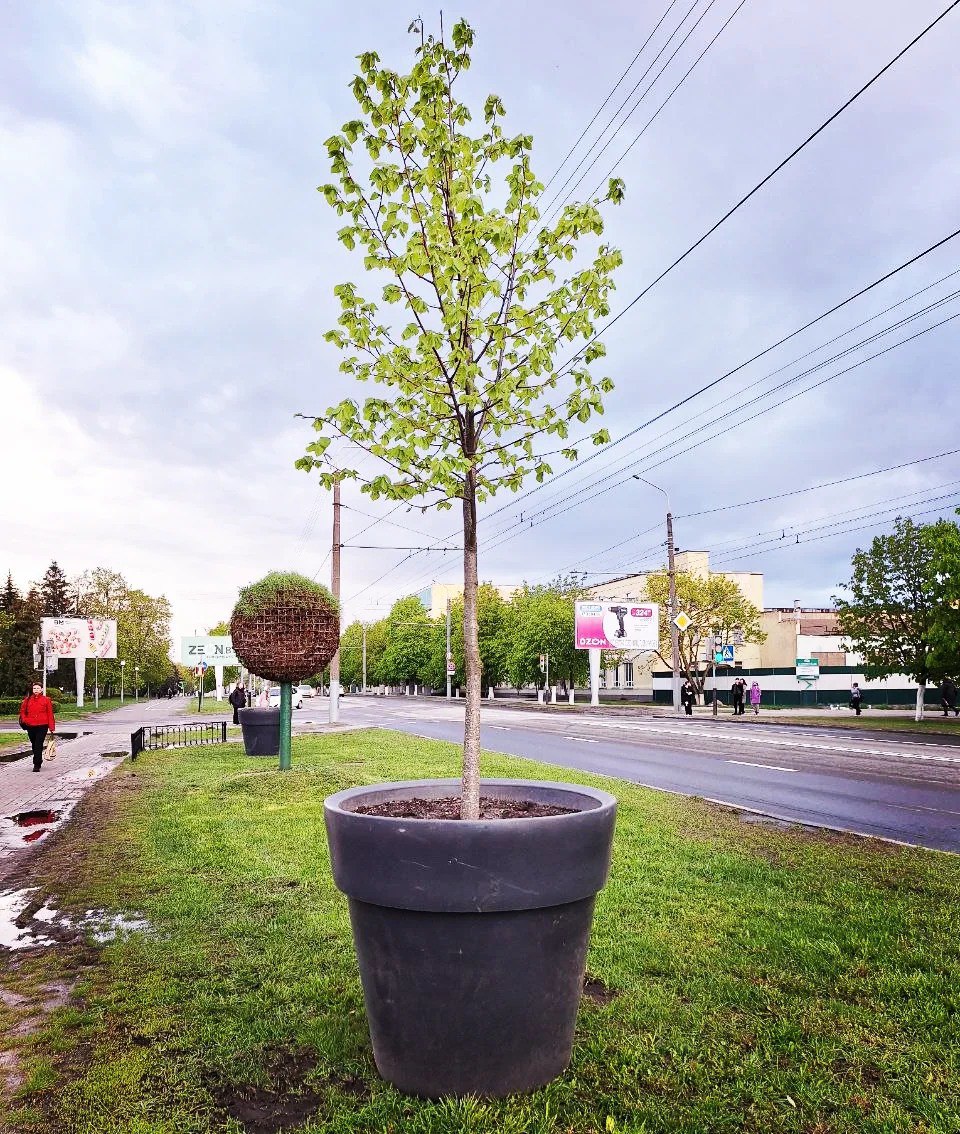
column 305, row 690
column 274, row 697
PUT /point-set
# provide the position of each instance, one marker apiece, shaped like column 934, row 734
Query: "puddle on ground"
column 27, row 924
column 30, row 826
column 36, row 818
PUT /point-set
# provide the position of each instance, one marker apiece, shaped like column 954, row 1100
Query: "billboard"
column 214, row 650
column 615, row 625
column 78, row 638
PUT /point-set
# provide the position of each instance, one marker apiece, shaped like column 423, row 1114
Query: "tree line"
column 409, row 647
column 143, row 630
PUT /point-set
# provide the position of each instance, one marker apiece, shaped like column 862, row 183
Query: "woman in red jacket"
column 36, row 716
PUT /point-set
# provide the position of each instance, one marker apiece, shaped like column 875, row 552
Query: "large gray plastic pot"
column 261, row 731
column 471, row 937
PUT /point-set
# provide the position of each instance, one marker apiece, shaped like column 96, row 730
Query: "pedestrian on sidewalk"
column 238, row 699
column 36, row 716
column 737, row 692
column 948, row 697
column 687, row 697
column 755, row 696
column 856, row 696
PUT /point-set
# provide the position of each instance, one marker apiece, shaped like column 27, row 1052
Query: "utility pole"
column 674, row 630
column 672, row 578
column 449, row 674
column 364, row 658
column 335, row 590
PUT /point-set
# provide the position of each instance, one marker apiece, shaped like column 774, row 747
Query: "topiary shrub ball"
column 285, row 627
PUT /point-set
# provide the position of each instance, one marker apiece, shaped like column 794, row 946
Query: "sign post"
column 77, row 638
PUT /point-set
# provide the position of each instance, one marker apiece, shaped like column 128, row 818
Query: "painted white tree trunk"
column 470, row 799
column 921, row 690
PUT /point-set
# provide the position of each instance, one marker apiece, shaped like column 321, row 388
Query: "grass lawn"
column 9, row 739
column 67, row 710
column 934, row 724
column 759, row 979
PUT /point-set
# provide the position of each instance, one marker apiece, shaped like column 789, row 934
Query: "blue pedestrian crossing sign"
column 723, row 655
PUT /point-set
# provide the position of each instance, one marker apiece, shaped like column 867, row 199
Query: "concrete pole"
column 364, row 657
column 449, row 674
column 594, row 676
column 335, row 590
column 672, row 614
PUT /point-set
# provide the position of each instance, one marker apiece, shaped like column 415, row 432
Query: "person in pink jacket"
column 755, row 696
column 36, row 717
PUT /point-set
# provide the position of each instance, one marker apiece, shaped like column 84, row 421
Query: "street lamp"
column 122, row 664
column 136, row 683
column 672, row 577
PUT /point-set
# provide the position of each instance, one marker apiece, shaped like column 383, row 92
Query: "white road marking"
column 772, row 767
column 501, row 727
column 582, row 739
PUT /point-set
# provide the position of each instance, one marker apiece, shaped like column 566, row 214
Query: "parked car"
column 274, row 696
column 305, row 690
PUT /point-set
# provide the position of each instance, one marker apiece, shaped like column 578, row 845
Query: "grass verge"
column 751, row 979
column 68, row 711
column 937, row 725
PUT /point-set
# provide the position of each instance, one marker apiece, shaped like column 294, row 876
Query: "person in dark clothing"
column 856, row 697
column 948, row 697
column 238, row 699
column 737, row 693
column 36, row 716
column 688, row 696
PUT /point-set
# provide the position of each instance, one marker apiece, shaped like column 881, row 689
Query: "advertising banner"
column 623, row 625
column 214, row 650
column 78, row 638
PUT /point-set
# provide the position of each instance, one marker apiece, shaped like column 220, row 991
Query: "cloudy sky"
column 168, row 270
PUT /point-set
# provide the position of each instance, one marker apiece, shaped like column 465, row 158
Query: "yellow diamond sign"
column 682, row 621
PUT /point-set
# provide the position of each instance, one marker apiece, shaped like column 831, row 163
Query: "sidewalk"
column 56, row 787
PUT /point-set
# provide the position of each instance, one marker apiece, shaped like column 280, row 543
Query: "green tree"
column 897, row 611
column 465, row 334
column 10, row 596
column 406, row 658
column 716, row 607
column 351, row 655
column 494, row 636
column 945, row 540
column 19, row 630
column 55, row 592
column 543, row 623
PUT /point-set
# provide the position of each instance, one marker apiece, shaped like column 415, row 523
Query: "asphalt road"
column 883, row 785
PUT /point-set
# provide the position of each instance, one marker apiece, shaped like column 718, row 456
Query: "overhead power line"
column 645, row 462
column 612, row 92
column 760, row 184
column 602, row 451
column 818, row 487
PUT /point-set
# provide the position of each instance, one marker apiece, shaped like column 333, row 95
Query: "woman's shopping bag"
column 50, row 746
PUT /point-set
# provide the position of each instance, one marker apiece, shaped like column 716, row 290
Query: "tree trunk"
column 921, row 690
column 470, row 798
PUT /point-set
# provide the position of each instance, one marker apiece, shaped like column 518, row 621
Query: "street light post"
column 136, row 683
column 122, row 664
column 672, row 580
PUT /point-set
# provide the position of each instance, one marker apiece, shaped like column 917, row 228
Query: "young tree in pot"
column 468, row 359
column 284, row 627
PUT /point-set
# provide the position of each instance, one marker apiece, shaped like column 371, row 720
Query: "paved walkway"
column 61, row 782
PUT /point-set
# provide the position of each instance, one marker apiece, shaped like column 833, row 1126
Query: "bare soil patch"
column 448, row 807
